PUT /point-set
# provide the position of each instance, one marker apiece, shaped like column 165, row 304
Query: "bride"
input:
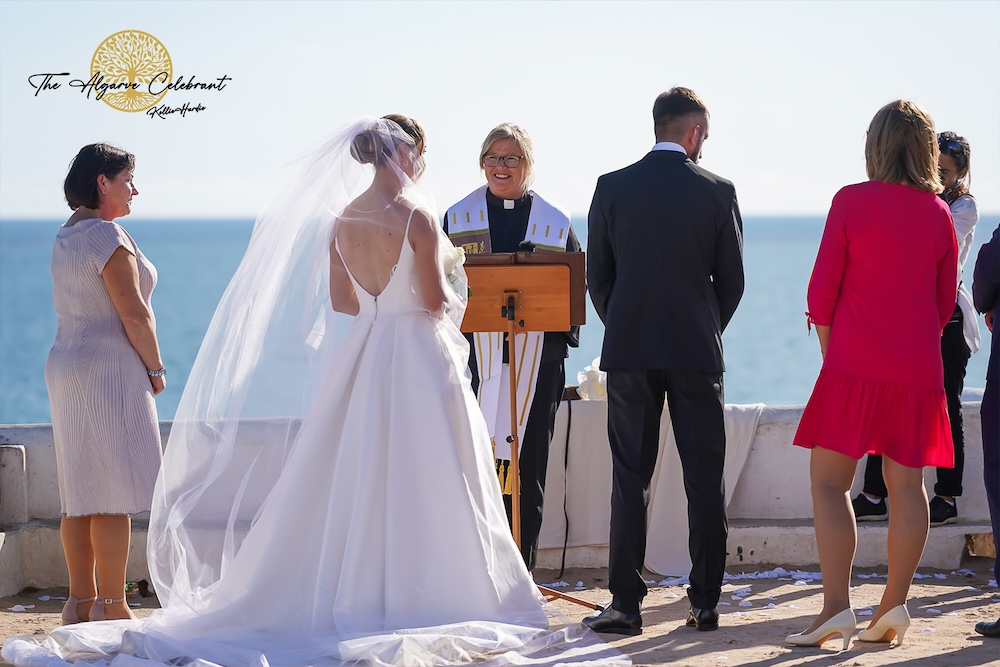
column 372, row 528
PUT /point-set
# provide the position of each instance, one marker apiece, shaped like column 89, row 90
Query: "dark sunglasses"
column 952, row 147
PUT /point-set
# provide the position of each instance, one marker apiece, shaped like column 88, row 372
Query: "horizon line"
column 251, row 218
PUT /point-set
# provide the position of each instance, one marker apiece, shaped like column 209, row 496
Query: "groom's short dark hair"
column 674, row 105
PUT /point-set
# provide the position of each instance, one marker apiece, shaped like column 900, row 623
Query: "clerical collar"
column 508, row 204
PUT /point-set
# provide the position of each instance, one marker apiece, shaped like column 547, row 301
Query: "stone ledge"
column 792, row 542
column 31, row 553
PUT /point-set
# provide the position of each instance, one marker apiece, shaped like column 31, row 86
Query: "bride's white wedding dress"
column 382, row 540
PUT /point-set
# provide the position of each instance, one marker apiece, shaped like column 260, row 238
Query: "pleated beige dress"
column 104, row 421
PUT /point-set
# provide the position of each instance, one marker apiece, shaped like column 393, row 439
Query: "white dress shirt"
column 669, row 146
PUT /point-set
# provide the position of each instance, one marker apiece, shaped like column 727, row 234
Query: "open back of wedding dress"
column 328, row 492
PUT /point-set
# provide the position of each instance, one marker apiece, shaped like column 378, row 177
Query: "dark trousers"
column 533, row 454
column 955, row 355
column 990, row 415
column 635, row 404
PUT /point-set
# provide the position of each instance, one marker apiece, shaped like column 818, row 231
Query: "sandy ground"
column 945, row 606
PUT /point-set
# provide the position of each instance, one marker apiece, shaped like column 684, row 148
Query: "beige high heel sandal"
column 99, row 611
column 70, row 612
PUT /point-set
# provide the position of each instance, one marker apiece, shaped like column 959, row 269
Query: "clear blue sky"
column 791, row 87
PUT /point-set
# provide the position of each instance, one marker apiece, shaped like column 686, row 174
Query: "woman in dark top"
column 504, row 216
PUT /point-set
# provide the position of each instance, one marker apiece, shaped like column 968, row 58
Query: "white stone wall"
column 770, row 512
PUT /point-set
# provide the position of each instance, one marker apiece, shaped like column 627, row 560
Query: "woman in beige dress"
column 102, row 373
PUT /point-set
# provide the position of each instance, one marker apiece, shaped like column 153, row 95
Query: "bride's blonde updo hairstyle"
column 375, row 144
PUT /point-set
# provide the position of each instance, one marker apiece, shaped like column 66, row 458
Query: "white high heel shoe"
column 892, row 625
column 842, row 624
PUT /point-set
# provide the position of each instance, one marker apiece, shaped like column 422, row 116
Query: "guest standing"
column 959, row 341
column 879, row 304
column 665, row 273
column 505, row 216
column 102, row 374
column 986, row 292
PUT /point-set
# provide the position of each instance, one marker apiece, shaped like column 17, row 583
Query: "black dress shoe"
column 703, row 619
column 617, row 622
column 989, row 629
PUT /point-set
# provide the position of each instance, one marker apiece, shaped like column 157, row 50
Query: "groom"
column 665, row 273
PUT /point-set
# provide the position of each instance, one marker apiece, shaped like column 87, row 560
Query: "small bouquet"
column 454, row 259
column 593, row 382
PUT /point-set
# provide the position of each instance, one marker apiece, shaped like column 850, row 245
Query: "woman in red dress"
column 882, row 289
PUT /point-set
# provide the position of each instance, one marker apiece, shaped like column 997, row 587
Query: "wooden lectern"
column 517, row 293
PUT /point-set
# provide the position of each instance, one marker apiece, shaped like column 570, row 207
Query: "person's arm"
column 947, row 279
column 823, row 334
column 986, row 279
column 121, row 278
column 342, row 294
column 727, row 277
column 423, row 237
column 965, row 216
column 600, row 256
column 828, row 272
column 573, row 245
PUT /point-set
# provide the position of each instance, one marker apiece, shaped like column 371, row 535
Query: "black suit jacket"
column 664, row 263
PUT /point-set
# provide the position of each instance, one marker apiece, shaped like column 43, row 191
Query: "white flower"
column 593, row 382
column 454, row 257
column 453, row 260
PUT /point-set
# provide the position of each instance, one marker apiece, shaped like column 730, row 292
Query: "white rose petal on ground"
column 674, row 581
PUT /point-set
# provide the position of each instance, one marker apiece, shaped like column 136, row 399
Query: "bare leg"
column 909, row 523
column 110, row 535
column 831, row 475
column 79, row 552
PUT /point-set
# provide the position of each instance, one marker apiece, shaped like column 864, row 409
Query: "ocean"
column 769, row 356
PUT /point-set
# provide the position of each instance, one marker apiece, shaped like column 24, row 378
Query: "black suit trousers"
column 635, row 404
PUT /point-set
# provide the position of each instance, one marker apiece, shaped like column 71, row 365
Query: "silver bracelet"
column 157, row 373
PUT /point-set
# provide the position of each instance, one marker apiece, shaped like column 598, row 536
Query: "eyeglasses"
column 509, row 161
column 952, row 146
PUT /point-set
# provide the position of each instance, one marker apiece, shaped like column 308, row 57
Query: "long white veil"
column 270, row 339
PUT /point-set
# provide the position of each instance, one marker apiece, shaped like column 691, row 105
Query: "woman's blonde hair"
column 520, row 136
column 902, row 147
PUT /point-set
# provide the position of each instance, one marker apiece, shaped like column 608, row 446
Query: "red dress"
column 886, row 280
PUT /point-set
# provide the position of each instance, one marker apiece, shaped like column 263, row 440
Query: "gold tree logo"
column 129, row 61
